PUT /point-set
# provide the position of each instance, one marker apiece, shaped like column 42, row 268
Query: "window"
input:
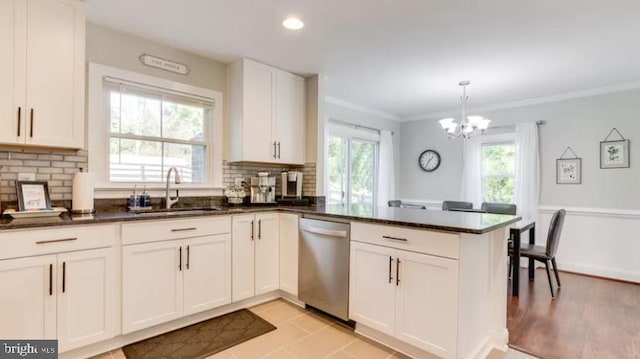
column 152, row 131
column 352, row 170
column 140, row 126
column 498, row 172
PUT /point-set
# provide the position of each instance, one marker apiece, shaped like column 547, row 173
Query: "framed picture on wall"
column 614, row 154
column 569, row 171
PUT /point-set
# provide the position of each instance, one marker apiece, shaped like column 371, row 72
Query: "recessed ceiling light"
column 293, row 23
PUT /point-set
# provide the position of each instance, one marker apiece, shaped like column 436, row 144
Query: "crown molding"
column 529, row 102
column 364, row 109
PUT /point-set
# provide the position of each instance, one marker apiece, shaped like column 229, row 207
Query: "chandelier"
column 468, row 125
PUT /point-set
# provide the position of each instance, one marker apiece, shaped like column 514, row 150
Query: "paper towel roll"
column 82, row 199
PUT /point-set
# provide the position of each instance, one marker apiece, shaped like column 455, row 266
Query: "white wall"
column 603, row 212
column 335, row 111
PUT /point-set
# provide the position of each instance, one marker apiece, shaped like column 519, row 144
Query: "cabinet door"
column 55, row 73
column 151, row 284
column 427, row 302
column 86, row 291
column 258, row 109
column 289, row 253
column 12, row 76
column 28, row 299
column 290, row 118
column 242, row 249
column 372, row 286
column 207, row 273
column 267, row 254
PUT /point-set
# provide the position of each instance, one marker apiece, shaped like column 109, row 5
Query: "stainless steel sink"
column 176, row 211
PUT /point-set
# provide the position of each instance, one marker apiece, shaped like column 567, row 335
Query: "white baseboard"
column 597, row 271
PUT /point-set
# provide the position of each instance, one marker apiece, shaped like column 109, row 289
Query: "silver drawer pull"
column 395, row 238
column 57, row 240
column 183, row 229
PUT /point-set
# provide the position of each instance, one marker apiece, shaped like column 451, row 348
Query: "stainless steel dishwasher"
column 323, row 270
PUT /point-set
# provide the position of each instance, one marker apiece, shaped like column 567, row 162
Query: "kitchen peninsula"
column 423, row 282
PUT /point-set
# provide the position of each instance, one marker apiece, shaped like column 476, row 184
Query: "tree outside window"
column 498, row 172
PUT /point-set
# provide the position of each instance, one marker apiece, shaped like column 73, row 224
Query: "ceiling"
column 406, row 57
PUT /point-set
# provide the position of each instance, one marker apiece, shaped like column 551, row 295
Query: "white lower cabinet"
column 167, row 280
column 410, row 296
column 255, row 254
column 67, row 296
column 28, row 299
column 289, row 253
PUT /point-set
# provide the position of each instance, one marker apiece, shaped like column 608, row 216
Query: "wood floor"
column 590, row 318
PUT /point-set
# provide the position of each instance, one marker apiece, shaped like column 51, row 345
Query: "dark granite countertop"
column 461, row 222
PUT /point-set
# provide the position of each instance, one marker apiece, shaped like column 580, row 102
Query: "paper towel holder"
column 81, row 211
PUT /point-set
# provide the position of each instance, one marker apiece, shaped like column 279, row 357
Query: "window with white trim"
column 352, row 169
column 498, row 172
column 152, row 130
column 139, row 126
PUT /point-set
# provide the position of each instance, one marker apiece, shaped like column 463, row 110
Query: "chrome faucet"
column 171, row 201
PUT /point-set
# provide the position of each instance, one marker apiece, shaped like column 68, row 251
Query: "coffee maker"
column 291, row 184
column 263, row 188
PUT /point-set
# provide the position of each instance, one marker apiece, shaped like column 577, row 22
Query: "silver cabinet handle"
column 278, row 149
column 274, row 149
column 396, row 238
column 325, row 232
column 184, row 229
column 259, row 229
column 57, row 240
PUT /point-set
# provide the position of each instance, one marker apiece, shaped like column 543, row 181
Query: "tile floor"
column 305, row 335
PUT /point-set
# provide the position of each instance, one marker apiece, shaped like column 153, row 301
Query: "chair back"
column 447, row 205
column 555, row 229
column 395, row 203
column 499, row 208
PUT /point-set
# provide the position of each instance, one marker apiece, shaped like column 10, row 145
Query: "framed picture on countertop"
column 33, row 195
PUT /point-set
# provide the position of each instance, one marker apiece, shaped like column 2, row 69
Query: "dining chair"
column 499, row 208
column 547, row 253
column 399, row 203
column 447, row 205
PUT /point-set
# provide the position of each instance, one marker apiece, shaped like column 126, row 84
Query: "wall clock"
column 429, row 160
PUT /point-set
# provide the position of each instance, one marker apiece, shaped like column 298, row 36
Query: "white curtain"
column 386, row 171
column 527, row 170
column 472, row 171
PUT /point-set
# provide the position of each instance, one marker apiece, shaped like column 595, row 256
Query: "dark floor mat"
column 202, row 339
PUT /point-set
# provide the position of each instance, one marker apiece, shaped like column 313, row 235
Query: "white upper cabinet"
column 290, row 112
column 267, row 114
column 42, row 72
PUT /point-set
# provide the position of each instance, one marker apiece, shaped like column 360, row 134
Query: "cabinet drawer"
column 415, row 240
column 54, row 240
column 161, row 230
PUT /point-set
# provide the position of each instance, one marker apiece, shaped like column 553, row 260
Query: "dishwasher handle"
column 326, row 232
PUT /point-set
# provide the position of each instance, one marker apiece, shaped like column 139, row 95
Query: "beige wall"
column 118, row 49
column 113, row 48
